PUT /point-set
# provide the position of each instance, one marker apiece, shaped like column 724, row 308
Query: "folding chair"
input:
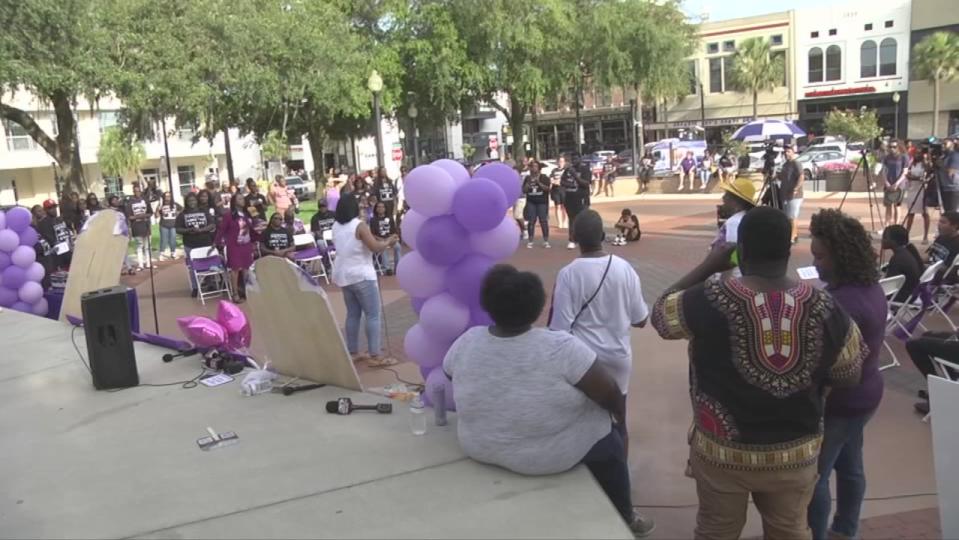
column 210, row 272
column 309, row 258
column 945, row 369
column 891, row 287
column 327, row 245
column 918, row 304
column 945, row 295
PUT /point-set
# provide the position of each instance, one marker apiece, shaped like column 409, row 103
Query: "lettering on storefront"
column 841, row 91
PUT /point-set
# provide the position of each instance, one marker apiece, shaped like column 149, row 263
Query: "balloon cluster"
column 20, row 273
column 458, row 229
column 230, row 331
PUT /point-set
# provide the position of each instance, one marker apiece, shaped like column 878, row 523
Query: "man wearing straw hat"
column 737, row 200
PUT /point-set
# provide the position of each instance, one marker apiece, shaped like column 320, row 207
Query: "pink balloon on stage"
column 231, row 316
column 444, row 318
column 423, row 348
column 410, row 227
column 18, row 219
column 418, row 277
column 498, row 243
column 505, row 176
column 9, row 240
column 202, row 331
column 429, row 190
column 23, row 256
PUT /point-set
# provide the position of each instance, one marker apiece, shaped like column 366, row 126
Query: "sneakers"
column 571, row 245
column 525, row 235
column 642, row 526
column 546, row 245
column 529, row 245
column 922, row 407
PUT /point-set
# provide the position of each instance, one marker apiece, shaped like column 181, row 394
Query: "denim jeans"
column 842, row 451
column 606, row 460
column 362, row 299
column 381, row 257
column 704, row 177
column 142, row 249
column 168, row 240
column 537, row 212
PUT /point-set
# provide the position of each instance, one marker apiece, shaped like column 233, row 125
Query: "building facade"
column 927, row 17
column 854, row 55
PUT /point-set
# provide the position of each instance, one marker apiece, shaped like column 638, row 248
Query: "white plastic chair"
column 890, row 287
column 946, row 293
column 943, row 368
column 310, row 259
column 210, row 272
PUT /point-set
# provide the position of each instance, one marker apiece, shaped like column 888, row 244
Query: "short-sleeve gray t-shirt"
column 517, row 406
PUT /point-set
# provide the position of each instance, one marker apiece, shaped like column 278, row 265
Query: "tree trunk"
column 935, row 105
column 638, row 127
column 517, row 117
column 317, row 141
column 755, row 106
column 534, row 129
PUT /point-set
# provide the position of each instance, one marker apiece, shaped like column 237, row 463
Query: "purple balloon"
column 438, row 378
column 29, row 237
column 444, row 318
column 457, row 172
column 417, row 304
column 24, row 256
column 418, row 277
column 498, row 243
column 13, row 277
column 422, row 348
column 8, row 297
column 442, row 241
column 22, row 307
column 479, row 205
column 3, row 219
column 464, row 279
column 410, row 227
column 429, row 190
column 479, row 317
column 40, row 307
column 30, row 292
column 9, row 240
column 35, row 272
column 4, row 260
column 505, row 176
column 18, row 219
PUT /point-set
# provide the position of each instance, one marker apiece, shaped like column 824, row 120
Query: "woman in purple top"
column 236, row 232
column 844, row 257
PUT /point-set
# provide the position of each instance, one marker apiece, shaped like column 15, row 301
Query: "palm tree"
column 936, row 59
column 120, row 153
column 756, row 69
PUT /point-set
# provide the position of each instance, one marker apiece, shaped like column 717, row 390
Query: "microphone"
column 346, row 406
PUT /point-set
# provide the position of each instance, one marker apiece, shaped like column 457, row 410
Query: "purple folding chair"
column 309, row 257
column 209, row 272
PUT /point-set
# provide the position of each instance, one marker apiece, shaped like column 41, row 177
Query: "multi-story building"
column 929, row 16
column 853, row 55
column 28, row 175
column 712, row 105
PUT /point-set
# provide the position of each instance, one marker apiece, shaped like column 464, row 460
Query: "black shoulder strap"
column 602, row 280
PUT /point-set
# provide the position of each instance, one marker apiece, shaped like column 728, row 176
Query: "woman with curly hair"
column 844, row 256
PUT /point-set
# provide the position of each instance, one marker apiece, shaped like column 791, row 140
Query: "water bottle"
column 417, row 416
column 439, row 405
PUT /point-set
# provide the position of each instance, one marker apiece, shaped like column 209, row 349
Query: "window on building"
column 780, row 56
column 832, row 31
column 833, row 63
column 729, row 46
column 867, row 27
column 888, row 24
column 17, row 137
column 815, row 65
column 187, row 176
column 727, row 70
column 691, row 73
column 887, row 57
column 150, row 175
column 107, row 119
column 112, row 185
column 867, row 59
column 185, row 133
column 715, row 75
column 814, row 34
column 777, row 39
column 712, row 48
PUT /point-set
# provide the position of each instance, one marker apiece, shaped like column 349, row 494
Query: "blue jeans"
column 168, row 240
column 381, row 257
column 537, row 212
column 606, row 460
column 842, row 451
column 361, row 299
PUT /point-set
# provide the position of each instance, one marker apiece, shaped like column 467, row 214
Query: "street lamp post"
column 632, row 135
column 895, row 100
column 415, row 135
column 375, row 85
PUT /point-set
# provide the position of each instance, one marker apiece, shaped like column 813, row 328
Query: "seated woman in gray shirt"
column 536, row 402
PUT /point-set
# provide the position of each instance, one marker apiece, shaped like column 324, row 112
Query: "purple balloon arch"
column 458, row 229
column 20, row 274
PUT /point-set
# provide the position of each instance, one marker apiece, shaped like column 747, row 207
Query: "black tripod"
column 769, row 190
column 863, row 165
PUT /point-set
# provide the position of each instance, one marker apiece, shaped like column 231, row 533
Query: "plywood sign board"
column 97, row 259
column 294, row 325
column 944, row 401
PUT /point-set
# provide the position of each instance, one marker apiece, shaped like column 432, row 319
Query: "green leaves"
column 756, row 68
column 854, row 126
column 936, row 57
column 119, row 152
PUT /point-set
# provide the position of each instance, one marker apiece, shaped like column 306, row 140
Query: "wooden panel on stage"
column 294, row 325
column 97, row 259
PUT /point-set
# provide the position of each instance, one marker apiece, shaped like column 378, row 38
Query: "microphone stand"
column 153, row 292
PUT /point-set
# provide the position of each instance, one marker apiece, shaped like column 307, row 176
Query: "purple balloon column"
column 458, row 229
column 20, row 274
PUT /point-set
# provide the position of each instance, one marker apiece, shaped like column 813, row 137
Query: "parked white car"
column 304, row 190
column 811, row 161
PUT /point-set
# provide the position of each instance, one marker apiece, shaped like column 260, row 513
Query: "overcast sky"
column 730, row 9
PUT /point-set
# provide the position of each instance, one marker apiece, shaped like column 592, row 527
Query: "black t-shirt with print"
column 533, row 187
column 277, row 239
column 137, row 207
column 386, row 192
column 192, row 221
column 322, row 221
column 168, row 214
column 382, row 227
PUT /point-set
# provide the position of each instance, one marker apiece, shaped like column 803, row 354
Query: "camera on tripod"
column 772, row 151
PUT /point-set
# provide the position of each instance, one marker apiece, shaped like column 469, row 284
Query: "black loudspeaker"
column 106, row 322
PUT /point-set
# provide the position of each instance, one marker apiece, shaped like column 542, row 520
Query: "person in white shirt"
column 598, row 298
column 737, row 200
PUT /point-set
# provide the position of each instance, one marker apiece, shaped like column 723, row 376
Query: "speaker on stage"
column 106, row 322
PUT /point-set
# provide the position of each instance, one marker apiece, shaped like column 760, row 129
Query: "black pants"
column 950, row 200
column 537, row 211
column 931, row 344
column 606, row 460
column 574, row 203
